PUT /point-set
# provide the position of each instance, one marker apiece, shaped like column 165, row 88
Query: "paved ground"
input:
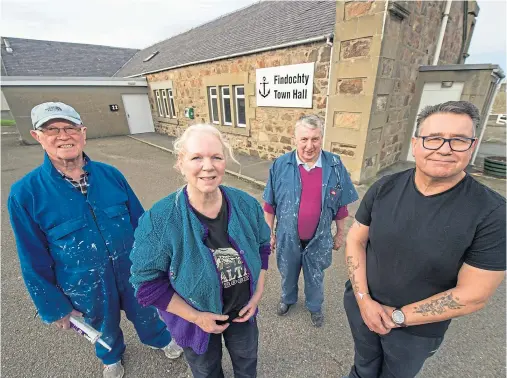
column 490, row 149
column 289, row 346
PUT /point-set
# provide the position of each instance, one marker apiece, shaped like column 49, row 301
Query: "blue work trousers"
column 290, row 262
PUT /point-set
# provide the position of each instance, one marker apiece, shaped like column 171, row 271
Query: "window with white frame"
column 159, row 103
column 165, row 103
column 213, row 104
column 226, row 105
column 239, row 97
column 172, row 108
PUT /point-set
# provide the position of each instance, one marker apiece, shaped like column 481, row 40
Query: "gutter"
column 255, row 51
column 442, row 31
column 330, row 42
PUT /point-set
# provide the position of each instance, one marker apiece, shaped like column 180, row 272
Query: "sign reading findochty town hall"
column 285, row 86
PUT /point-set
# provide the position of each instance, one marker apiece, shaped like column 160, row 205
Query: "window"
column 226, row 106
column 239, row 92
column 165, row 103
column 151, row 56
column 159, row 103
column 172, row 108
column 213, row 104
column 164, row 100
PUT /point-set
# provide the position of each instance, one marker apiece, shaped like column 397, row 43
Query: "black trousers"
column 241, row 341
column 398, row 354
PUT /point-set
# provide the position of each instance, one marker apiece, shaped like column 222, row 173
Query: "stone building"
column 365, row 57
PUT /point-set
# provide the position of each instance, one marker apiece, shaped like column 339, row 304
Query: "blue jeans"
column 241, row 341
column 398, row 354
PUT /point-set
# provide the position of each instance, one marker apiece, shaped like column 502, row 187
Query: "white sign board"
column 285, row 86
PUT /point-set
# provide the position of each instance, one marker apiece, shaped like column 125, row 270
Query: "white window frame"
column 159, row 103
column 236, row 97
column 172, row 107
column 211, row 97
column 165, row 103
column 223, row 97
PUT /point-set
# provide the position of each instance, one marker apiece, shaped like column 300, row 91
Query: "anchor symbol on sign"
column 263, row 93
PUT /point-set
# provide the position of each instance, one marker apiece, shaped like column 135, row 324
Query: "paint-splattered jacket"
column 73, row 250
column 283, row 193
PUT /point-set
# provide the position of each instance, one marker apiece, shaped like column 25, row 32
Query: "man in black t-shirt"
column 428, row 245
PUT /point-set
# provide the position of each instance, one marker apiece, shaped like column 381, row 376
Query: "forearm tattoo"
column 439, row 306
column 351, row 268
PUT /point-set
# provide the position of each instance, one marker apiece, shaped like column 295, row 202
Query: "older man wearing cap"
column 74, row 222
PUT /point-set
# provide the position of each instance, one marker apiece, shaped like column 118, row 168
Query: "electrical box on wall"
column 189, row 113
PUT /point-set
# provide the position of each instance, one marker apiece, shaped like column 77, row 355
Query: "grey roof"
column 30, row 57
column 262, row 25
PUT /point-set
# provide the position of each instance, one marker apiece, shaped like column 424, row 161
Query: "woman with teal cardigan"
column 200, row 257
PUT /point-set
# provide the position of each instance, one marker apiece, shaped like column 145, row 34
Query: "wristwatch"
column 398, row 317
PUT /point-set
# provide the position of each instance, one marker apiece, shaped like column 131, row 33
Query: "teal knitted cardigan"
column 169, row 241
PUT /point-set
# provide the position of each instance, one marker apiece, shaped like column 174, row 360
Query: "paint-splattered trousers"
column 398, row 354
column 105, row 316
column 150, row 329
column 290, row 261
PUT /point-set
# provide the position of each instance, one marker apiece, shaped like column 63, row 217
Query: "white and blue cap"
column 54, row 110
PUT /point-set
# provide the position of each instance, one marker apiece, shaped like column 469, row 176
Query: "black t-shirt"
column 417, row 244
column 234, row 276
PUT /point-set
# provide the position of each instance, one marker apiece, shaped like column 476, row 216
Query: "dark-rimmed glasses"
column 52, row 131
column 458, row 144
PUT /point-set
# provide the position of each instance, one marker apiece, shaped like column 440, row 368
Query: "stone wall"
column 409, row 42
column 269, row 130
column 357, row 45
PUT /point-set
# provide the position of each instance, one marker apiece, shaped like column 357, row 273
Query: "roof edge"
column 243, row 53
column 17, row 81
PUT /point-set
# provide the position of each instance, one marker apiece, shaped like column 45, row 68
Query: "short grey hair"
column 454, row 107
column 312, row 122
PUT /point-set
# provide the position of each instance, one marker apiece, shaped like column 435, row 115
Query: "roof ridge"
column 69, row 43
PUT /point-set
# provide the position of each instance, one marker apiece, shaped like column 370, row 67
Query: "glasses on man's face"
column 52, row 131
column 458, row 144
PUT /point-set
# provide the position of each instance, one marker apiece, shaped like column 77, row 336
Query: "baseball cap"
column 54, row 110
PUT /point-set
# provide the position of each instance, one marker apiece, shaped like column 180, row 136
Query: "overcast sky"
column 140, row 23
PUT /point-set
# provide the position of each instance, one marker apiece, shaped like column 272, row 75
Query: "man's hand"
column 207, row 322
column 375, row 316
column 64, row 323
column 338, row 240
column 272, row 242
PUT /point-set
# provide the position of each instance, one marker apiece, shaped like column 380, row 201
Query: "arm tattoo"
column 351, row 268
column 439, row 306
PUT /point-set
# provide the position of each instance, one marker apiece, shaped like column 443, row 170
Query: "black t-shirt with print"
column 417, row 244
column 234, row 276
